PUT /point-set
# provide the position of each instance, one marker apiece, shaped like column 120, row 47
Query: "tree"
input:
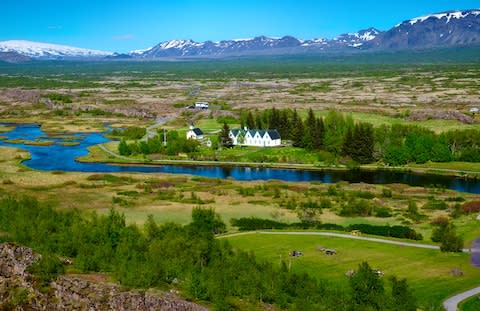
column 450, row 241
column 123, row 148
column 317, row 136
column 250, row 121
column 225, row 139
column 361, row 146
column 298, row 133
column 309, row 132
column 402, row 297
column 367, row 289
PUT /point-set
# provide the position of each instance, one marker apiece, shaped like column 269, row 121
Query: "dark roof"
column 273, row 134
column 235, row 132
column 197, row 131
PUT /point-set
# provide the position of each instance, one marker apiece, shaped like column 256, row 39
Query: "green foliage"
column 367, row 289
column 356, row 207
column 130, row 133
column 48, row 268
column 225, row 139
column 402, row 296
column 208, row 269
column 59, row 98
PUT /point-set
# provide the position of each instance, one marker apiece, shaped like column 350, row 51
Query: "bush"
column 383, row 212
column 253, row 223
column 401, row 232
column 49, row 267
column 436, row 205
column 471, row 207
column 356, row 207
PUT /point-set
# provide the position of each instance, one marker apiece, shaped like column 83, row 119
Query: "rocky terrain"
column 18, row 290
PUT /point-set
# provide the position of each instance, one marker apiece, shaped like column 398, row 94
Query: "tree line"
column 186, row 257
column 338, row 134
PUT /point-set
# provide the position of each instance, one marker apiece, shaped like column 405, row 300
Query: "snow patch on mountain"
column 447, row 15
column 47, row 50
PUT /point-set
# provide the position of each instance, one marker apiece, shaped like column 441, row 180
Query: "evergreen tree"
column 225, row 139
column 317, row 138
column 284, row 123
column 348, row 143
column 298, row 133
column 362, row 144
column 309, row 131
column 258, row 122
column 250, row 121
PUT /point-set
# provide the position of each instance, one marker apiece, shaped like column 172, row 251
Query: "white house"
column 194, row 133
column 474, row 110
column 257, row 138
column 201, row 105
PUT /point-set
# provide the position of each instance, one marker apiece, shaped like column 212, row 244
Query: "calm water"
column 58, row 157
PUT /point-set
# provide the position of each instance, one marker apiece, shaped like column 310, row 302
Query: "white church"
column 256, row 138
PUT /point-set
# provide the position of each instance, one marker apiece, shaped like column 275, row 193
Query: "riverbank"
column 104, row 154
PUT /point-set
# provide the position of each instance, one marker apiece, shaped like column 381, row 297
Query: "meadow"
column 428, row 272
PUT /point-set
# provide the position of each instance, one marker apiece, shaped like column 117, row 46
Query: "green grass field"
column 472, row 304
column 428, row 271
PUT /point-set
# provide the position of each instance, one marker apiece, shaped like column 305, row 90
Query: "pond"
column 59, row 157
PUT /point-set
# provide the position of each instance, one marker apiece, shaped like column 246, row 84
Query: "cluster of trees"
column 203, row 267
column 175, row 144
column 394, row 144
column 445, row 233
column 130, row 133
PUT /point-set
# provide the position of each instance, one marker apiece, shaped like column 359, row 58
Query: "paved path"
column 110, row 152
column 451, row 304
column 151, row 130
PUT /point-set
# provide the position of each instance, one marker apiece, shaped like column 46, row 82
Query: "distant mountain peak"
column 447, row 16
column 445, row 29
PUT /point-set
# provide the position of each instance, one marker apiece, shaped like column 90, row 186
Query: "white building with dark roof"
column 256, row 138
column 194, row 133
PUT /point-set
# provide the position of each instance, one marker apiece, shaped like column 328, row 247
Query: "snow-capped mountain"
column 190, row 48
column 453, row 28
column 446, row 29
column 48, row 51
column 357, row 39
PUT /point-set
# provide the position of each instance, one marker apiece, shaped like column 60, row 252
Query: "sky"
column 125, row 25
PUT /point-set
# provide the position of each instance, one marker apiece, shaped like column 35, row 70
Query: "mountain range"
column 446, row 29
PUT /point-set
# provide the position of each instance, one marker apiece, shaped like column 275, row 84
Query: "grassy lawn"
column 472, row 304
column 428, row 271
column 377, row 119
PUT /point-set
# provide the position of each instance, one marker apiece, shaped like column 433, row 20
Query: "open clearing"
column 429, row 272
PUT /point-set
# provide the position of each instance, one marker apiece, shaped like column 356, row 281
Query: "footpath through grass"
column 429, row 272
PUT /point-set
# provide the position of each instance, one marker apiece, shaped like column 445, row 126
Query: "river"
column 57, row 157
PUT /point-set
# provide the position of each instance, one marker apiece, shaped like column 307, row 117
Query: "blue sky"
column 121, row 25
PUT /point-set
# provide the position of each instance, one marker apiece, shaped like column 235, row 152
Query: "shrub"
column 402, row 232
column 436, row 205
column 471, row 207
column 386, row 192
column 383, row 212
column 356, row 207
